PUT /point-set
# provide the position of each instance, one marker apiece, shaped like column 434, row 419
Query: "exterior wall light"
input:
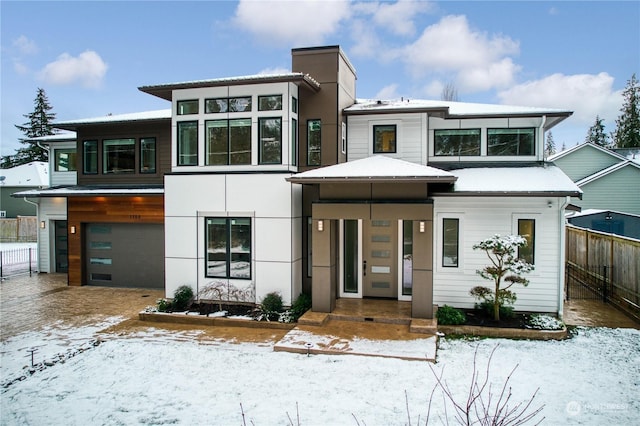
column 43, row 224
column 321, row 225
column 422, row 226
column 73, row 229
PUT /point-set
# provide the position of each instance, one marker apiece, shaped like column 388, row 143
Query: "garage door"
column 124, row 255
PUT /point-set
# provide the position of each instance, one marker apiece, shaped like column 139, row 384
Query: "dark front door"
column 380, row 258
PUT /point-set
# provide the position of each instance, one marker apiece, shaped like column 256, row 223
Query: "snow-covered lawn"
column 162, row 377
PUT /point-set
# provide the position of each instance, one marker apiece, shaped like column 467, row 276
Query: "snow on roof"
column 542, row 180
column 136, row 116
column 585, row 145
column 58, row 137
column 453, row 108
column 68, row 191
column 375, row 168
column 589, row 212
column 35, row 173
column 241, row 78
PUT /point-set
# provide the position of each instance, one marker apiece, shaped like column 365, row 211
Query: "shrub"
column 506, row 312
column 301, row 305
column 448, row 315
column 163, row 305
column 270, row 307
column 182, row 298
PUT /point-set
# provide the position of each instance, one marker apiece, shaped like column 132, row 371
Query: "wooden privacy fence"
column 604, row 265
column 18, row 230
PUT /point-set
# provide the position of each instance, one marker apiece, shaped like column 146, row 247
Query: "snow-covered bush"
column 544, row 322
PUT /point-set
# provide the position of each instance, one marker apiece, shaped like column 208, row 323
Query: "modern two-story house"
column 289, row 183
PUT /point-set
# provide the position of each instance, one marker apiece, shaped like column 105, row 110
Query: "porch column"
column 323, row 284
column 422, row 295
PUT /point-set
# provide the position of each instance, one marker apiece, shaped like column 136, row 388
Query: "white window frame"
column 536, row 217
column 341, row 291
column 439, row 251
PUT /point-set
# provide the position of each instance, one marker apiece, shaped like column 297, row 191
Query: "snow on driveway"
column 153, row 378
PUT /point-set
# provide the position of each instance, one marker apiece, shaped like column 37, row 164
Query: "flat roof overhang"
column 373, row 179
column 83, row 191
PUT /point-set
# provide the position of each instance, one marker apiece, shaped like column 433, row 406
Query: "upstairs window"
column 314, row 142
column 148, row 155
column 270, row 139
column 384, row 139
column 65, row 160
column 270, row 103
column 220, row 105
column 187, row 143
column 90, row 157
column 118, row 155
column 188, row 107
column 294, row 142
column 457, row 142
column 294, row 105
column 228, row 142
column 511, row 141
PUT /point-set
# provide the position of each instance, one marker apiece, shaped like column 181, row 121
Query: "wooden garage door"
column 124, row 255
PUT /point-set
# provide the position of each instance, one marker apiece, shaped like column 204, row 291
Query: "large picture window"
column 228, row 247
column 294, row 142
column 270, row 139
column 314, row 142
column 118, row 155
column 65, row 160
column 187, row 143
column 384, row 139
column 228, row 142
column 450, row 242
column 220, row 105
column 457, row 142
column 147, row 155
column 407, row 257
column 511, row 141
column 90, row 157
column 527, row 230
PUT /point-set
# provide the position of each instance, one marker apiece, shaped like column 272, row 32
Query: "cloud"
column 397, row 18
column 88, row 69
column 25, row 46
column 268, row 71
column 388, row 92
column 480, row 61
column 290, row 23
column 587, row 95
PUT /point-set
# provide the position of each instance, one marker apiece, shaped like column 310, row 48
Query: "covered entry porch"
column 371, row 232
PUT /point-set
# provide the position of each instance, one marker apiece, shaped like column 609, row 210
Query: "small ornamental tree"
column 505, row 270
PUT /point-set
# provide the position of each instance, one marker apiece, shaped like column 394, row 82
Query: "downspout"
column 37, row 228
column 542, row 124
column 562, row 250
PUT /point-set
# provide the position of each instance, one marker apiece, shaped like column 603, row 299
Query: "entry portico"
column 372, row 231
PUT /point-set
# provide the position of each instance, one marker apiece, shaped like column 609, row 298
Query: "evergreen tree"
column 39, row 124
column 627, row 133
column 596, row 134
column 549, row 146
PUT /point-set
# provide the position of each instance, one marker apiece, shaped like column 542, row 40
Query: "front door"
column 380, row 258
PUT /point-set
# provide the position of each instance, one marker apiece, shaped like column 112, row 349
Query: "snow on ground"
column 158, row 377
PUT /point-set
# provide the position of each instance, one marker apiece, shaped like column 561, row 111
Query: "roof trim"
column 607, row 171
column 582, row 146
column 85, row 191
column 373, row 179
column 509, row 193
column 157, row 115
column 165, row 91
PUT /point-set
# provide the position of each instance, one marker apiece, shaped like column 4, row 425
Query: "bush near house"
column 182, row 298
column 448, row 315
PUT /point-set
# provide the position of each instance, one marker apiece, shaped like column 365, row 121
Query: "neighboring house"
column 609, row 180
column 52, row 209
column 288, row 183
column 612, row 222
column 34, row 175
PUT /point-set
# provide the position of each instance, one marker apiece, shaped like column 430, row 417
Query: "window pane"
column 270, row 135
column 242, row 104
column 270, row 103
column 527, row 229
column 457, row 142
column 384, row 138
column 450, row 228
column 90, row 157
column 294, row 142
column 216, row 247
column 187, row 143
column 118, row 155
column 313, row 142
column 188, row 107
column 216, row 105
column 294, row 105
column 240, row 264
column 407, row 257
column 350, row 256
column 148, row 155
column 240, row 141
column 65, row 160
column 511, row 141
column 217, row 143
